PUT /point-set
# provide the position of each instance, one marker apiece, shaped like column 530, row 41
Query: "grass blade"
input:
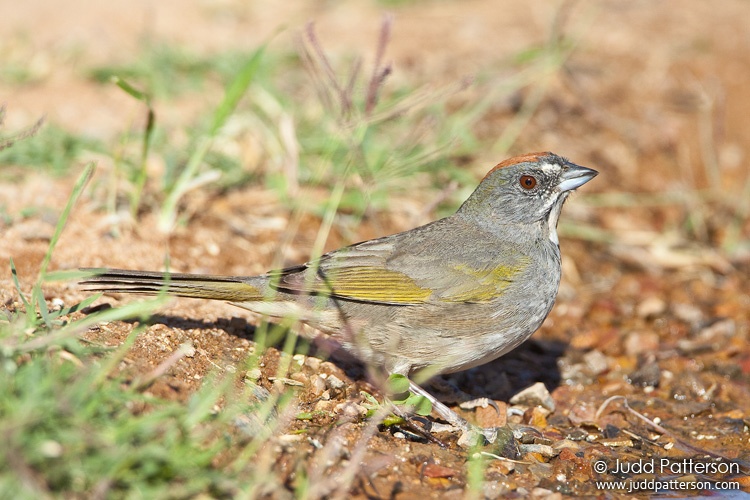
column 77, row 190
column 232, row 97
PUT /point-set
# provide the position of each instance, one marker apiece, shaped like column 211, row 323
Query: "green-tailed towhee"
column 449, row 295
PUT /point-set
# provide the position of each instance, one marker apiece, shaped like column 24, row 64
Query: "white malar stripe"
column 553, row 234
column 554, row 215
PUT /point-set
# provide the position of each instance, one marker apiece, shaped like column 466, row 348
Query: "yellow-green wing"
column 481, row 284
column 370, row 284
column 425, row 265
column 363, row 283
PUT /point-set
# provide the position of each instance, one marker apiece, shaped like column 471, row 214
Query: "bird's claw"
column 526, row 434
column 500, row 439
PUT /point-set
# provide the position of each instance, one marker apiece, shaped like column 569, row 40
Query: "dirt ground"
column 655, row 300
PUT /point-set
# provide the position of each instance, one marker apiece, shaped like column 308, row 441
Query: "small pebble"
column 317, row 385
column 688, row 313
column 188, row 349
column 542, row 449
column 566, row 446
column 536, row 395
column 324, row 406
column 651, row 307
column 536, row 417
column 435, row 470
column 641, row 342
column 596, row 362
column 616, row 442
column 719, row 330
column 582, row 412
column 545, row 494
column 647, row 375
column 329, row 367
column 350, row 410
column 495, row 489
column 313, row 363
column 576, row 434
column 334, row 383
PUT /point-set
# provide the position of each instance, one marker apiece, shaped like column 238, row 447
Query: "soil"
column 655, row 301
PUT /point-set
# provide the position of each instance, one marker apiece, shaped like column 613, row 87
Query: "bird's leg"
column 471, row 434
column 441, row 409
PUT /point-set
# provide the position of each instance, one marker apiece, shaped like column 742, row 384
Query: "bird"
column 447, row 296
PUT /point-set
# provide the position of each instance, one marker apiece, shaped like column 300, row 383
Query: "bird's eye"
column 527, row 182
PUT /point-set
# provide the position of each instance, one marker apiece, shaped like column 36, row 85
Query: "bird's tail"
column 201, row 286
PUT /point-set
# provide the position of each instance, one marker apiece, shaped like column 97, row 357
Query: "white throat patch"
column 553, row 229
column 554, row 215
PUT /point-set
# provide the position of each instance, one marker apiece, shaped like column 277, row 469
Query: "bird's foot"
column 532, row 440
column 500, row 440
column 526, row 434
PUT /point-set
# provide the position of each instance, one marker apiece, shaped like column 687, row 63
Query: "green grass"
column 52, row 149
column 65, row 436
column 189, row 176
column 70, row 426
column 169, row 71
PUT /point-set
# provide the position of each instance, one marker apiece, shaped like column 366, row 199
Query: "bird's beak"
column 575, row 176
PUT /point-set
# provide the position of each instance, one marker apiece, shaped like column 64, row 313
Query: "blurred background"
column 237, row 136
column 651, row 95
